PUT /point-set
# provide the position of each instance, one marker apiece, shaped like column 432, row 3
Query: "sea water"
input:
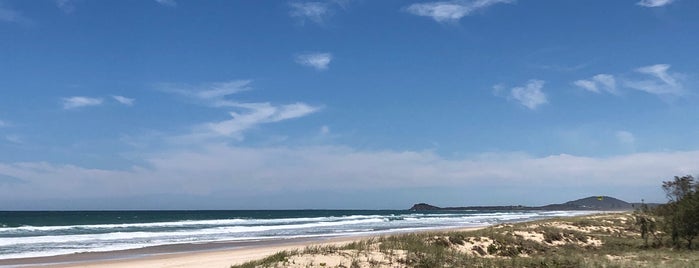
column 50, row 233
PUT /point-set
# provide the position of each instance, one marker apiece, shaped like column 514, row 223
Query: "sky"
column 344, row 104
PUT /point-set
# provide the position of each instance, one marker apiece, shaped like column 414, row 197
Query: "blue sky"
column 174, row 104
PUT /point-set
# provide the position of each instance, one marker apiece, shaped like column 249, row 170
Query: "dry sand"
column 210, row 258
column 218, row 258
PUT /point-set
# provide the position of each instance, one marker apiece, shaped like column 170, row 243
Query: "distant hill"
column 424, row 206
column 588, row 203
column 592, row 203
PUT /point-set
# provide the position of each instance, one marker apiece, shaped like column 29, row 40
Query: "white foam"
column 188, row 223
column 64, row 239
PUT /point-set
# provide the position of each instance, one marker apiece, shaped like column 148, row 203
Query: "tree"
column 681, row 213
column 679, row 187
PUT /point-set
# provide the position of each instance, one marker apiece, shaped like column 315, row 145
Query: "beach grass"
column 601, row 240
column 274, row 260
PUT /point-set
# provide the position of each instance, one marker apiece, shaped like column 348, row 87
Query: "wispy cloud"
column 587, row 84
column 79, row 101
column 170, row 3
column 625, row 137
column 598, row 83
column 256, row 114
column 245, row 115
column 662, row 82
column 607, row 81
column 67, row 6
column 451, row 11
column 313, row 11
column 654, row 3
column 654, row 79
column 8, row 14
column 210, row 94
column 529, row 95
column 319, row 61
column 124, row 100
column 3, row 123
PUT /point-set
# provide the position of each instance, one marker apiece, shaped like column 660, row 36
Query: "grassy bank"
column 608, row 240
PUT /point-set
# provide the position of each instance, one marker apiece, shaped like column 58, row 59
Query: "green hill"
column 592, row 203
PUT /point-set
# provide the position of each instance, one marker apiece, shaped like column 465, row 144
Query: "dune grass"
column 274, row 260
column 608, row 240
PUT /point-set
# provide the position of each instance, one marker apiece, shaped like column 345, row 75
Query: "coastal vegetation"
column 681, row 214
column 660, row 236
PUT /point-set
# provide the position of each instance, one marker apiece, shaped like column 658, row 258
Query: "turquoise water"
column 35, row 234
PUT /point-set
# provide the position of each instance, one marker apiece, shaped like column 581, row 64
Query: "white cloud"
column 587, row 84
column 217, row 168
column 625, row 137
column 654, row 79
column 290, row 111
column 654, row 3
column 220, row 90
column 313, row 11
column 78, row 102
column 319, row 61
column 451, row 11
column 662, row 82
column 659, row 71
column 211, row 94
column 170, row 3
column 246, row 115
column 256, row 114
column 66, row 6
column 3, row 123
column 124, row 100
column 530, row 95
column 606, row 82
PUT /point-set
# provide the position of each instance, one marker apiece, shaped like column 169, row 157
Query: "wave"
column 245, row 222
column 126, row 246
column 36, row 241
column 188, row 223
column 140, row 235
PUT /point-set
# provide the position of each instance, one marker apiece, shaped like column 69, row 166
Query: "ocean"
column 51, row 233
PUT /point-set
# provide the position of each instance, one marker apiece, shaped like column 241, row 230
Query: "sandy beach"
column 211, row 255
column 188, row 255
column 169, row 238
column 215, row 258
column 592, row 240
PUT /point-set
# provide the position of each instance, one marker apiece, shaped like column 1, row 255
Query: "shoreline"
column 66, row 260
column 216, row 253
column 210, row 254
